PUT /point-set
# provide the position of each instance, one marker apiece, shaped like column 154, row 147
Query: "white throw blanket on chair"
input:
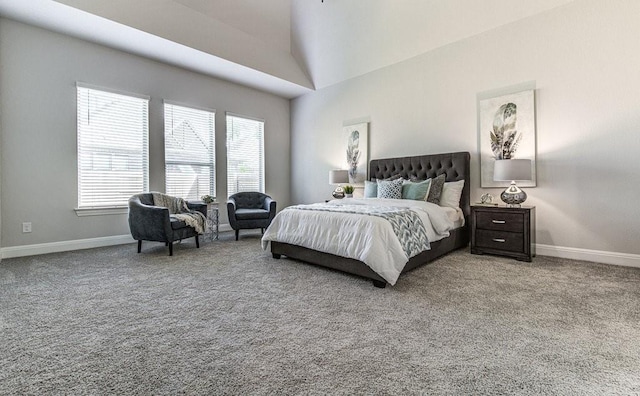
column 178, row 207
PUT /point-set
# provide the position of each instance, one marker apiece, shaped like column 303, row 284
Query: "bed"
column 455, row 167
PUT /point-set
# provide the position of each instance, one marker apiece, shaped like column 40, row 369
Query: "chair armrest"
column 199, row 206
column 231, row 213
column 270, row 205
column 149, row 222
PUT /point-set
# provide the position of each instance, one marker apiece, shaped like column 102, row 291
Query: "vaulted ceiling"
column 287, row 47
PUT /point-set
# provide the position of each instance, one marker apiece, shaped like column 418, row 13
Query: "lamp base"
column 338, row 193
column 513, row 196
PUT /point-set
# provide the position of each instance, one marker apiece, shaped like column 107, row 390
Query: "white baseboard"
column 64, row 246
column 598, row 256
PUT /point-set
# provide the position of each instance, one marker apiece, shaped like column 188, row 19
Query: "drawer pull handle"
column 499, row 240
column 498, row 221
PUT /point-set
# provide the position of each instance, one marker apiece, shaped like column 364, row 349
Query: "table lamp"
column 338, row 176
column 512, row 170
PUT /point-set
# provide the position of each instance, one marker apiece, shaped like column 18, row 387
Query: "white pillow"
column 451, row 194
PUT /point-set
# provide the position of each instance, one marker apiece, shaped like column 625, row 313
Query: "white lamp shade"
column 338, row 176
column 512, row 169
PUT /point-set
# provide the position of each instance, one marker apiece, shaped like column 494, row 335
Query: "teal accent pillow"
column 391, row 189
column 416, row 190
column 370, row 189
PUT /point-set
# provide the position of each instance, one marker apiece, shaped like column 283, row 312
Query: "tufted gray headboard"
column 454, row 165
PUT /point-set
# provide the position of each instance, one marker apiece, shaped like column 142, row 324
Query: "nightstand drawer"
column 500, row 221
column 500, row 240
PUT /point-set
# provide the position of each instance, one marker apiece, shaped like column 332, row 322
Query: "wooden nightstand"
column 504, row 231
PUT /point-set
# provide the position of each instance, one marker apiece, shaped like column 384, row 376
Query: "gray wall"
column 584, row 61
column 38, row 126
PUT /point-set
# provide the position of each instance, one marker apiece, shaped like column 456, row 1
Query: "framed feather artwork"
column 356, row 152
column 507, row 130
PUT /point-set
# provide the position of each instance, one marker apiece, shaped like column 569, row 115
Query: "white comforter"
column 369, row 239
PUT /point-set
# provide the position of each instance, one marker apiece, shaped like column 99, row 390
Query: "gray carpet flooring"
column 229, row 319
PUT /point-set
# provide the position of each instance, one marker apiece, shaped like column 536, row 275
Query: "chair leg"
column 262, row 230
column 170, row 248
column 139, row 245
column 237, row 234
column 197, row 242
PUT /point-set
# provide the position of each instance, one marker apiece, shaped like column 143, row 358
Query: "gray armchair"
column 154, row 223
column 249, row 210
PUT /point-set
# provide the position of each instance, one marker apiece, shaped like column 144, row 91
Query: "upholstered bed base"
column 459, row 238
column 454, row 165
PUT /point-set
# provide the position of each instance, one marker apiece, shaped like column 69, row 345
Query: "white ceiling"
column 287, row 47
column 171, row 32
column 268, row 20
column 340, row 39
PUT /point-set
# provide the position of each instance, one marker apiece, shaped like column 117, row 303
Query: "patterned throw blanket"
column 178, row 208
column 406, row 223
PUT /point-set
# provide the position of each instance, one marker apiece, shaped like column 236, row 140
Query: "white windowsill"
column 102, row 211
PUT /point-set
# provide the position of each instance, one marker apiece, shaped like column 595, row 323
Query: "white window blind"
column 245, row 154
column 189, row 146
column 113, row 160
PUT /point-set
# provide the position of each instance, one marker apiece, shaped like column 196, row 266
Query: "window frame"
column 262, row 182
column 120, row 208
column 213, row 158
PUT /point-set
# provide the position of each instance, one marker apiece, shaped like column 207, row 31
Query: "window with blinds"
column 245, row 154
column 113, row 160
column 189, row 147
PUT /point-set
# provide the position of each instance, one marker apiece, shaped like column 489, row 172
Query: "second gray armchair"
column 248, row 210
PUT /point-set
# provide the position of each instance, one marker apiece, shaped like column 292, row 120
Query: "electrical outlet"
column 26, row 227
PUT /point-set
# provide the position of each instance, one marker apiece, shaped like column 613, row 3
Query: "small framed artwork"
column 507, row 130
column 356, row 152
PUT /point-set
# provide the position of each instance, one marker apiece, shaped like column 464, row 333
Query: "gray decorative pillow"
column 394, row 177
column 435, row 190
column 391, row 189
